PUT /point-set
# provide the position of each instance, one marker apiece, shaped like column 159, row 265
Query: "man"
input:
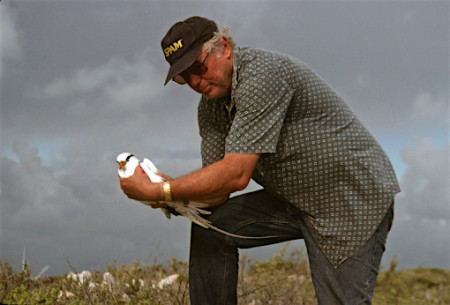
column 267, row 116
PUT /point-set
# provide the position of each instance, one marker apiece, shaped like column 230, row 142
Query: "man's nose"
column 194, row 80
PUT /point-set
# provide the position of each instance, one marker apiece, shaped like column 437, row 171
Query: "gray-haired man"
column 325, row 179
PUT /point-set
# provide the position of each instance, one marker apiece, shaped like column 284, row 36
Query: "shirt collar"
column 236, row 64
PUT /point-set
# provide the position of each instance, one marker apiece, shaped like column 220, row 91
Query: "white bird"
column 189, row 209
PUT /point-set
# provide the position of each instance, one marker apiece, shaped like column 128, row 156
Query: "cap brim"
column 183, row 63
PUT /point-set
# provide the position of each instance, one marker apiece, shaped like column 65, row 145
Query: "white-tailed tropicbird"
column 189, row 209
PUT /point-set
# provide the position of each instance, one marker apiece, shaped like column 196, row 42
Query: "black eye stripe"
column 128, row 158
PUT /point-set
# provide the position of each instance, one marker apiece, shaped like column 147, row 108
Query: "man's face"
column 214, row 80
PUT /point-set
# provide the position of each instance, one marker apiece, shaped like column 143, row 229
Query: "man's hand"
column 139, row 187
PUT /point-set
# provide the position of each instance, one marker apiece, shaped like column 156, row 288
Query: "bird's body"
column 189, row 209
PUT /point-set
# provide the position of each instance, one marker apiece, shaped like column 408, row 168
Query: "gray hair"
column 215, row 43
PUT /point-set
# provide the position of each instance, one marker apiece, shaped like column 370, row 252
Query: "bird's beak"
column 122, row 164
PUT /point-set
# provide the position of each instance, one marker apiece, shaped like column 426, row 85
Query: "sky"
column 82, row 81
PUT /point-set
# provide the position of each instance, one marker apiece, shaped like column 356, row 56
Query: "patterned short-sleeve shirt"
column 315, row 153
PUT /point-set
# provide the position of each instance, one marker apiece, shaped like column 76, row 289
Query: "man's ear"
column 227, row 50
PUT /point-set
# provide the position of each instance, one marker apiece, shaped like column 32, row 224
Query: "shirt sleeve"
column 212, row 121
column 261, row 102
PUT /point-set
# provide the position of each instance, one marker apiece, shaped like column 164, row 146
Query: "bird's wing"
column 150, row 172
column 150, row 165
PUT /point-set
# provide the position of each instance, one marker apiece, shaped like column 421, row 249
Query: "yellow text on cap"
column 173, row 47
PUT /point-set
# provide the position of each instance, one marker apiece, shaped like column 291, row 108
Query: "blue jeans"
column 213, row 264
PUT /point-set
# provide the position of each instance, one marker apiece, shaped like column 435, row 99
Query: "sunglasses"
column 197, row 68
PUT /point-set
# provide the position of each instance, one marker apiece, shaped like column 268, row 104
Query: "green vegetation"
column 283, row 279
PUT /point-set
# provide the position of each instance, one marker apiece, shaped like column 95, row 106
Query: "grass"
column 283, row 279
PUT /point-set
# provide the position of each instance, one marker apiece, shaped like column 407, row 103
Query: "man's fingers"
column 157, row 205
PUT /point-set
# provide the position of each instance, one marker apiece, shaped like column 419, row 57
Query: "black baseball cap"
column 183, row 43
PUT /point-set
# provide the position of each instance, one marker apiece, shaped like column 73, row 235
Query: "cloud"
column 422, row 209
column 430, row 109
column 417, row 241
column 41, row 186
column 11, row 51
column 118, row 83
column 120, row 105
column 81, row 215
column 117, row 88
column 426, row 182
